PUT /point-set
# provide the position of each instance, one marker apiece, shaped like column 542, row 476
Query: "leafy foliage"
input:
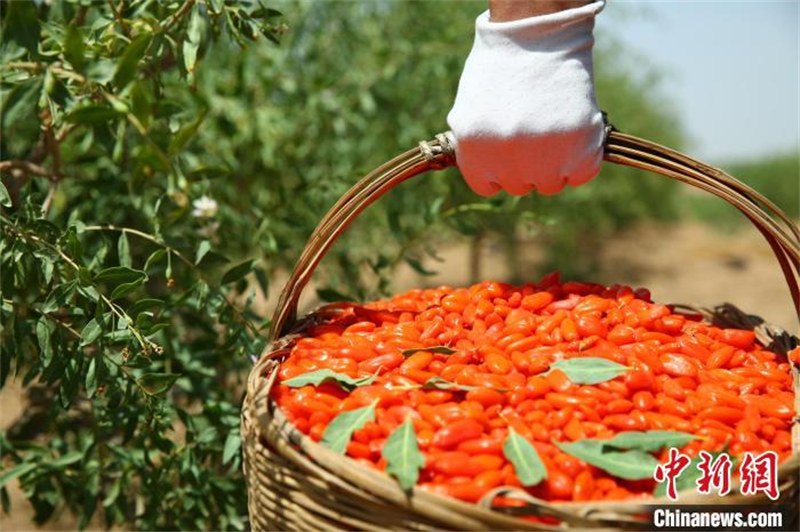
column 161, row 162
column 114, row 307
column 777, row 177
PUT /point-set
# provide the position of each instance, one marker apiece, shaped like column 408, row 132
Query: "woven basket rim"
column 270, row 420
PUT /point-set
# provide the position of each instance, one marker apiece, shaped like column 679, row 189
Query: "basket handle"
column 780, row 232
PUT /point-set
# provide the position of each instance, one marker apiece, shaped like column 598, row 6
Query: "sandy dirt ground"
column 686, row 263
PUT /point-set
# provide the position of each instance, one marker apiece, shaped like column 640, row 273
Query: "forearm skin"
column 505, row 10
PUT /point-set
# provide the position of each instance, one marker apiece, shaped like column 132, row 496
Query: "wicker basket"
column 296, row 484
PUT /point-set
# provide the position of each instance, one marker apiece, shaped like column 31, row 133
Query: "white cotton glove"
column 525, row 116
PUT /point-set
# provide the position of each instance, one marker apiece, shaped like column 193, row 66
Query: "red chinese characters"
column 715, row 474
column 759, row 474
column 671, row 470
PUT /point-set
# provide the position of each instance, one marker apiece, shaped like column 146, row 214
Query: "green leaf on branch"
column 208, row 172
column 403, row 458
column 120, row 274
column 100, row 71
column 17, row 471
column 651, row 440
column 527, row 465
column 145, row 304
column 202, row 249
column 59, row 297
column 74, row 47
column 91, row 332
column 630, row 465
column 124, row 251
column 126, row 288
column 438, row 383
column 65, row 460
column 5, row 198
column 315, row 378
column 589, row 370
column 158, row 383
column 154, row 258
column 233, row 443
column 237, row 272
column 417, row 266
column 341, row 428
column 90, row 381
column 20, row 103
column 192, row 42
column 91, row 114
column 440, row 349
column 21, row 24
column 127, row 64
column 113, row 493
column 43, row 334
column 186, row 133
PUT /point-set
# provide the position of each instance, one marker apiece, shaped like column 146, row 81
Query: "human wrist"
column 561, row 31
column 507, row 10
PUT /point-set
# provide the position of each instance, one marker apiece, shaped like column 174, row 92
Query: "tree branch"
column 26, row 167
column 118, row 16
column 56, row 68
column 178, row 15
column 48, row 200
column 51, row 144
column 147, row 345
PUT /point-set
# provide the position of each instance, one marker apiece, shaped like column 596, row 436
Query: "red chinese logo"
column 760, row 473
column 714, row 474
column 671, row 471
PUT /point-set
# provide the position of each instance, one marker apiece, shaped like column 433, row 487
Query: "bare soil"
column 685, row 263
column 680, row 263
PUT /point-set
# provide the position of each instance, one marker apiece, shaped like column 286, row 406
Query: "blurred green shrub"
column 162, row 161
column 777, row 177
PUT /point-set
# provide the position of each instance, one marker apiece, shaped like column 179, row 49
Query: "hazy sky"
column 733, row 69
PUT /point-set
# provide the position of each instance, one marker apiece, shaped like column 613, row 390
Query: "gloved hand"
column 525, row 116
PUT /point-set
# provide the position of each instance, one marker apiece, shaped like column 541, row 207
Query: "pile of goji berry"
column 498, row 341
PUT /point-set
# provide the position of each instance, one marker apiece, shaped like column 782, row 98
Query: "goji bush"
column 522, row 385
column 160, row 163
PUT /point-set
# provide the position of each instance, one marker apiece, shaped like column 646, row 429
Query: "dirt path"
column 687, row 263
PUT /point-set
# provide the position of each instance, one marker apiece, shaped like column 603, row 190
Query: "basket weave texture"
column 294, row 483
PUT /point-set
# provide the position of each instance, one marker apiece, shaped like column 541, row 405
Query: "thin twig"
column 56, row 68
column 64, row 131
column 72, row 331
column 48, row 200
column 118, row 17
column 27, row 167
column 141, row 234
column 53, row 147
column 178, row 15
